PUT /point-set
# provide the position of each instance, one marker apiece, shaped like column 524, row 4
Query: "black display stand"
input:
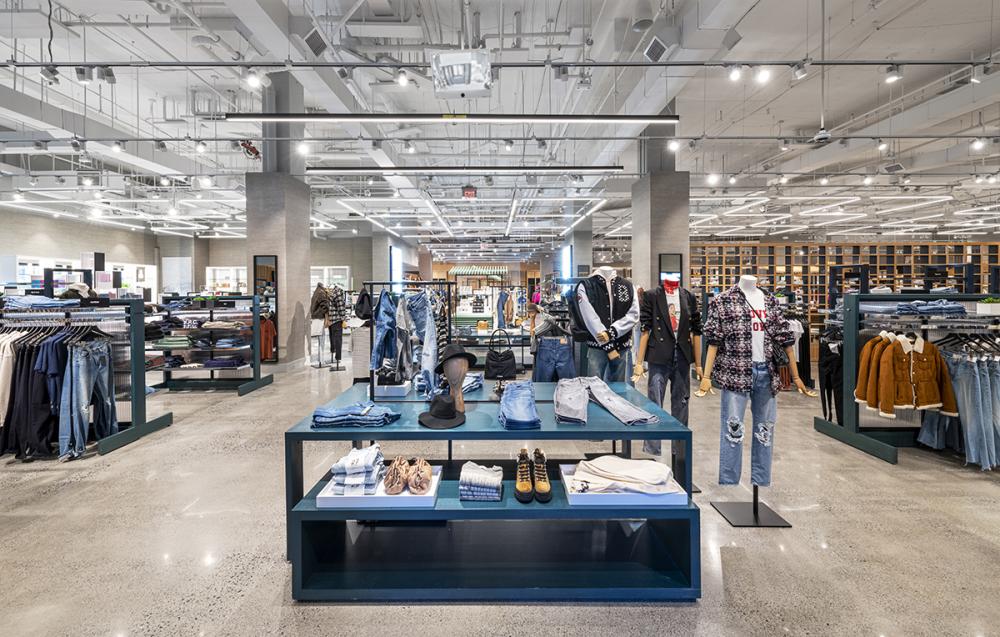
column 751, row 514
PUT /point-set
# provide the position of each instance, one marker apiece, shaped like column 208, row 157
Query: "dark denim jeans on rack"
column 553, row 360
column 517, row 406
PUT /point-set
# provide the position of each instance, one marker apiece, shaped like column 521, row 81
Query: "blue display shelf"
column 502, row 550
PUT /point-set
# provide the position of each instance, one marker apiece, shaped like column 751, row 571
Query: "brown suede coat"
column 914, row 376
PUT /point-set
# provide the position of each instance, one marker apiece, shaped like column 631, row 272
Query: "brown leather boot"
column 523, row 489
column 397, row 475
column 543, row 488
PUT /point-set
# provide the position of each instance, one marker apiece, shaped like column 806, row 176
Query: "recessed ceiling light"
column 783, row 179
column 253, row 78
column 172, row 211
column 302, row 148
column 200, row 147
column 87, row 181
column 883, row 146
column 164, row 181
column 117, row 147
column 205, row 181
column 402, row 78
column 732, row 180
column 508, row 145
column 979, row 179
column 712, row 179
column 824, row 181
column 978, row 143
column 867, row 180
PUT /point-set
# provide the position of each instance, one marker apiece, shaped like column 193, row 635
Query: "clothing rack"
column 884, row 442
column 123, row 319
column 409, row 285
column 215, row 309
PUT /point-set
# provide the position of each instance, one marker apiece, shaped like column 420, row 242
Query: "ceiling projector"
column 461, row 74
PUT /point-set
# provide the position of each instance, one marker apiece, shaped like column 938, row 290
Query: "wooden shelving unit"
column 804, row 267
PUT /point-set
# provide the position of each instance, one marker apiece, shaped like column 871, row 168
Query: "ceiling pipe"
column 193, row 17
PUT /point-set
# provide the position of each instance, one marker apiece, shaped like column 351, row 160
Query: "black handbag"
column 779, row 357
column 500, row 364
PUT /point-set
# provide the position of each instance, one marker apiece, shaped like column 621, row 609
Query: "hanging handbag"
column 500, row 365
column 779, row 357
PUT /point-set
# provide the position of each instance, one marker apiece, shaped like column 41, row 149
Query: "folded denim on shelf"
column 573, row 395
column 369, row 478
column 339, row 489
column 361, row 414
column 222, row 325
column 931, row 308
column 517, row 406
column 360, row 460
column 227, row 362
column 37, row 303
column 472, row 382
column 230, row 343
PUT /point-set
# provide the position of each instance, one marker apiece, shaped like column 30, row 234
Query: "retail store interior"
column 479, row 317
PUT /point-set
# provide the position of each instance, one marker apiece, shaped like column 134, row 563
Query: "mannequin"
column 671, row 343
column 746, row 374
column 609, row 308
column 455, row 370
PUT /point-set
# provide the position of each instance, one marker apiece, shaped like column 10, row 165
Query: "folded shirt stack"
column 222, row 325
column 173, row 342
column 173, row 361
column 359, row 472
column 613, row 474
column 192, row 366
column 472, row 382
column 154, row 331
column 37, row 303
column 479, row 483
column 941, row 307
column 361, row 414
column 225, row 362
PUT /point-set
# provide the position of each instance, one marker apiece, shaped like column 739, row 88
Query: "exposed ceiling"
column 902, row 159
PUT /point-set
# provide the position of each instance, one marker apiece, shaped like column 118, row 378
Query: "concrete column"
column 380, row 257
column 546, row 264
column 278, row 210
column 660, row 224
column 582, row 240
column 285, row 95
column 426, row 264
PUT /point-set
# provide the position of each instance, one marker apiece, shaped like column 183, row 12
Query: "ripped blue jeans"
column 764, row 412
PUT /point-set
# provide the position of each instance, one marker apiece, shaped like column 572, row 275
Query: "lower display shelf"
column 449, row 507
column 523, row 560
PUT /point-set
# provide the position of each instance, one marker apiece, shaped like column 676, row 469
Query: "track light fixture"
column 87, row 181
column 172, row 211
column 763, row 75
column 867, row 180
column 164, row 181
column 799, row 71
column 976, row 74
column 402, row 78
column 302, row 148
column 712, row 179
column 95, row 212
column 205, row 181
column 992, row 179
column 882, row 145
column 453, row 118
column 18, row 196
column 735, row 73
column 977, row 144
column 732, row 180
column 409, row 147
column 370, row 180
column 785, row 145
column 32, row 180
column 84, row 74
column 893, row 73
column 253, row 78
column 117, row 147
column 200, row 146
column 106, row 74
column 783, row 179
column 824, row 181
column 508, row 145
column 978, row 179
column 160, row 144
column 50, row 74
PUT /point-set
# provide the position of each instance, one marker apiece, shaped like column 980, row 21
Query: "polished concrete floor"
column 183, row 533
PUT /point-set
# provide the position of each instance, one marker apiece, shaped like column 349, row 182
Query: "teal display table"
column 491, row 550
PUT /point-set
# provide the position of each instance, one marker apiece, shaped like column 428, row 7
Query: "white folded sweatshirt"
column 612, row 474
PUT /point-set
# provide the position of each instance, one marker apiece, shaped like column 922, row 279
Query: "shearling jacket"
column 914, row 376
column 864, row 365
column 871, row 390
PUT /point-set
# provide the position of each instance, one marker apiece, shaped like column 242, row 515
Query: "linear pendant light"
column 462, row 170
column 450, row 118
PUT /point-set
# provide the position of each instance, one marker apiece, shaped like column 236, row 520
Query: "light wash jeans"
column 429, row 352
column 764, row 413
column 610, row 371
column 987, row 389
column 88, row 376
column 384, row 345
column 517, row 406
column 574, row 394
column 965, row 377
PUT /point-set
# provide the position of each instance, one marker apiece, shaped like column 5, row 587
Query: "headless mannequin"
column 454, row 371
column 748, row 285
column 671, row 285
column 608, row 273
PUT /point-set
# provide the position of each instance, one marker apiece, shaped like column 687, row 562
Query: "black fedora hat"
column 454, row 350
column 442, row 414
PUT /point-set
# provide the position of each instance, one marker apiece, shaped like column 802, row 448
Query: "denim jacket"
column 729, row 328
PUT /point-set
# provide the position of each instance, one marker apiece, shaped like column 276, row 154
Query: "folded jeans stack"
column 230, row 343
column 361, row 414
column 472, row 382
column 479, row 483
column 517, row 406
column 613, row 474
column 359, row 472
column 225, row 362
column 573, row 394
column 37, row 303
column 941, row 307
